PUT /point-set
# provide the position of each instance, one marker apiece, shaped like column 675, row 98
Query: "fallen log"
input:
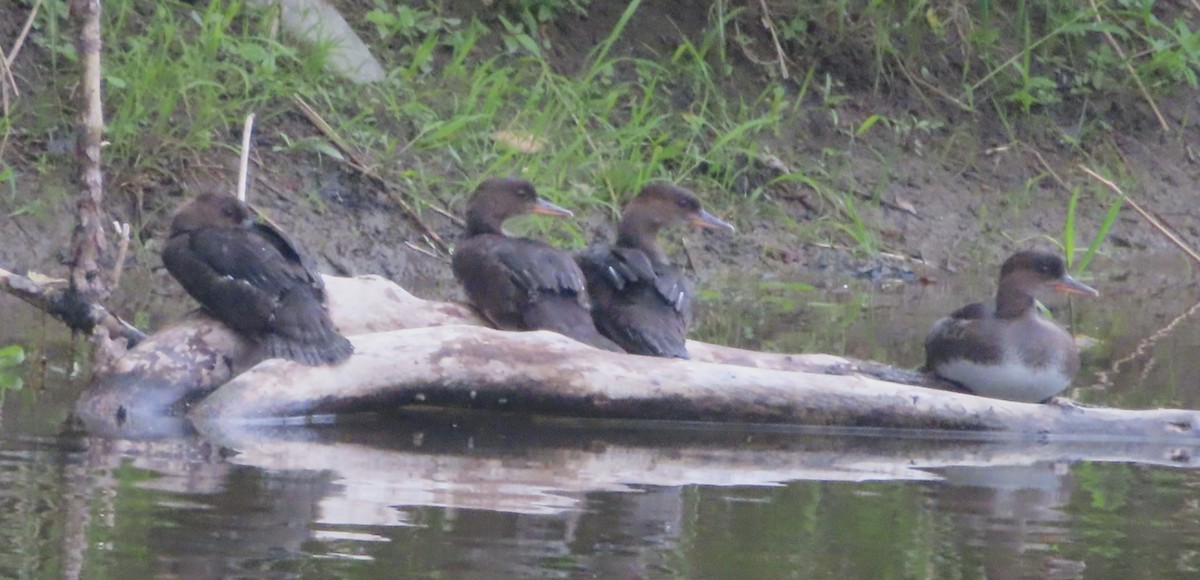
column 187, row 360
column 542, row 372
column 410, row 350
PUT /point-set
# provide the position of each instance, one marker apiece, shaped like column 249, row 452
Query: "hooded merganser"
column 1010, row 351
column 250, row 276
column 518, row 283
column 639, row 300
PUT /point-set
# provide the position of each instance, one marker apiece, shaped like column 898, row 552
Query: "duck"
column 1008, row 350
column 639, row 299
column 520, row 283
column 251, row 277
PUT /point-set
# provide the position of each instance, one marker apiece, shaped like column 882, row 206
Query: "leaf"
column 528, row 43
column 867, row 124
column 9, row 382
column 11, row 356
column 905, row 205
column 520, row 141
column 934, row 22
column 327, row 149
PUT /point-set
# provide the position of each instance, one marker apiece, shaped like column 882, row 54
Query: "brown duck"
column 639, row 300
column 518, row 283
column 1009, row 350
column 250, row 276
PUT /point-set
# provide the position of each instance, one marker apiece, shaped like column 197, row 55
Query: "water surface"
column 466, row 495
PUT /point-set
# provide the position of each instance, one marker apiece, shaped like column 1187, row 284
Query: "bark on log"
column 543, row 372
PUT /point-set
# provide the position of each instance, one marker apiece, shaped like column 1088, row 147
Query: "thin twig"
column 6, row 62
column 424, row 252
column 1137, row 79
column 4, row 106
column 446, row 214
column 770, row 26
column 357, row 163
column 244, row 162
column 1153, row 221
column 939, row 92
column 122, row 230
column 1104, row 378
column 326, row 129
column 11, row 57
column 1046, row 165
column 6, row 78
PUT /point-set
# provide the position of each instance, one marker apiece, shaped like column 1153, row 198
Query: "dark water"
column 461, row 495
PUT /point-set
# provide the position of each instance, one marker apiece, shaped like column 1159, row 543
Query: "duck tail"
column 566, row 316
column 301, row 331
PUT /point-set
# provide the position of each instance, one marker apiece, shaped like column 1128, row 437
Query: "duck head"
column 658, row 206
column 211, row 210
column 496, row 200
column 1028, row 272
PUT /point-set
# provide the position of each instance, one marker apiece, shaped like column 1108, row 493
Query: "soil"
column 957, row 196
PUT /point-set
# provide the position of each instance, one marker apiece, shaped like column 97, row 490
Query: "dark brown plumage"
column 518, row 283
column 1009, row 350
column 249, row 276
column 639, row 300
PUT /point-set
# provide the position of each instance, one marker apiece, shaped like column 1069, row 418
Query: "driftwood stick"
column 244, row 159
column 543, row 372
column 88, row 241
column 54, row 298
column 123, row 231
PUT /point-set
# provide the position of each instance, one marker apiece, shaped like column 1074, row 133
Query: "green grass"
column 180, row 77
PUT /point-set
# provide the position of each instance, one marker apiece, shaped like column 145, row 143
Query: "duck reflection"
column 1011, row 516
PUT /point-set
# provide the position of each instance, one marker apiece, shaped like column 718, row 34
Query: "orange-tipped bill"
column 543, row 207
column 710, row 221
column 1069, row 285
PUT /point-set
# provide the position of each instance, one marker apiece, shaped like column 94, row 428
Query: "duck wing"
column 643, row 307
column 502, row 276
column 964, row 335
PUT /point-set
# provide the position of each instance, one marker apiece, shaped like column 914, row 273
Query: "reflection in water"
column 475, row 495
column 1012, row 515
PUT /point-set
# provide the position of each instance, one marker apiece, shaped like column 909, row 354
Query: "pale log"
column 542, row 372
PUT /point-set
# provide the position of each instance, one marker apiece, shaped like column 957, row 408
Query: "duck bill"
column 709, row 221
column 1069, row 285
column 543, row 207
